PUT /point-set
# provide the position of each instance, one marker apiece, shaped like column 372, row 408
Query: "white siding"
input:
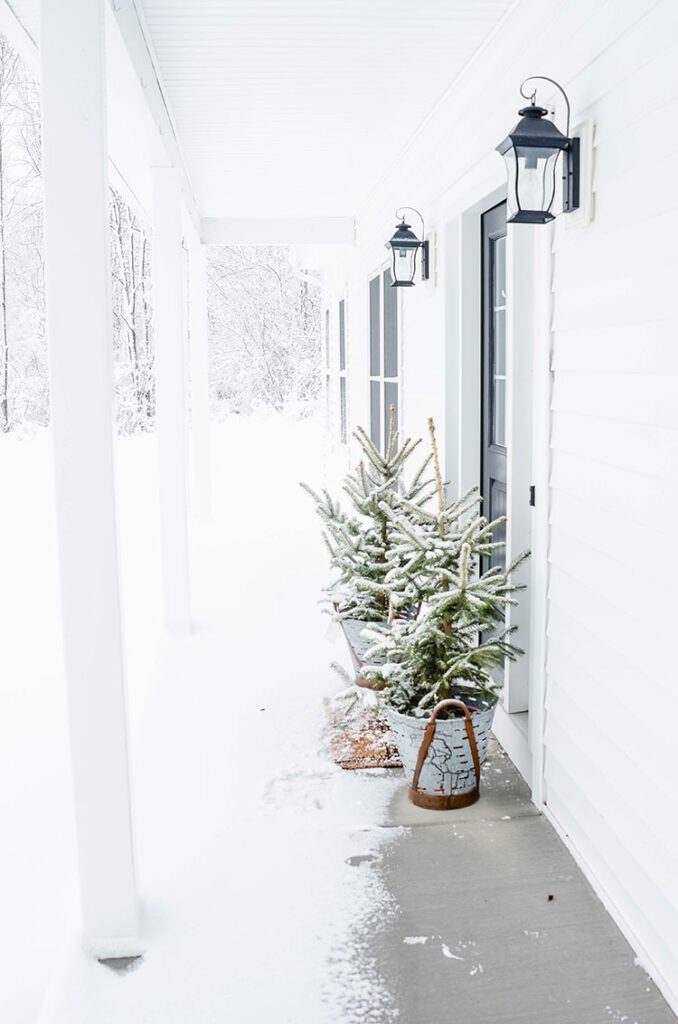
column 612, row 675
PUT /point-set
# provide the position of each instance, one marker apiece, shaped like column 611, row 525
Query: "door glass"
column 498, row 339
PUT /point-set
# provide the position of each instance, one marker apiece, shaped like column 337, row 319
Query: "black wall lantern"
column 531, row 152
column 405, row 246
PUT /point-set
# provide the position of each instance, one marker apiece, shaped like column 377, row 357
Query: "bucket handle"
column 429, row 733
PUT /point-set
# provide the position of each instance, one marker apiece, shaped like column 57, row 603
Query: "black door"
column 493, row 374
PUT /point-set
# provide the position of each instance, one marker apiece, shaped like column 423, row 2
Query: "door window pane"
column 375, row 412
column 375, row 345
column 390, row 327
column 390, row 399
column 499, row 344
column 497, row 509
column 499, row 411
column 499, row 262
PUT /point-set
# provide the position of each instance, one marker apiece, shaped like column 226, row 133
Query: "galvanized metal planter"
column 442, row 759
column 358, row 645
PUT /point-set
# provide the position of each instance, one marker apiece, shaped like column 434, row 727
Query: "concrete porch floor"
column 496, row 923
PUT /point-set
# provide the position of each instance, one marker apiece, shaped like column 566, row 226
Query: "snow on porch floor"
column 276, row 887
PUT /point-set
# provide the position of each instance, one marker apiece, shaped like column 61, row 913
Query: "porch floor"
column 276, row 887
column 496, row 922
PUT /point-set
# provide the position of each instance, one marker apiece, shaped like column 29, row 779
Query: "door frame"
column 528, row 439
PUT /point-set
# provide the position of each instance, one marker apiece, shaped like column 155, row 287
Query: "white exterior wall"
column 609, row 442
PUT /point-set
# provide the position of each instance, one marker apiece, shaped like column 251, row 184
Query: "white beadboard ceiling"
column 296, row 108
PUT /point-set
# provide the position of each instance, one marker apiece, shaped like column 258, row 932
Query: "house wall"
column 607, row 435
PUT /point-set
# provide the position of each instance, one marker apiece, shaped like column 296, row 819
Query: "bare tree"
column 264, row 330
column 133, row 349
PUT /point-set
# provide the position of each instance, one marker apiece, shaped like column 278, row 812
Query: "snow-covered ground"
column 244, row 828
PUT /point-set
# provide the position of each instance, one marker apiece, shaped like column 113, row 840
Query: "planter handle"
column 435, row 801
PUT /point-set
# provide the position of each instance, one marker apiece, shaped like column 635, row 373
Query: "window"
column 384, row 379
column 343, row 425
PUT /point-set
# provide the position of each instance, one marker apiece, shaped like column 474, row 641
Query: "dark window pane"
column 390, row 327
column 327, row 339
column 375, row 354
column 499, row 411
column 499, row 271
column 375, row 412
column 498, row 368
column 497, row 509
column 342, row 335
column 390, row 399
column 342, row 408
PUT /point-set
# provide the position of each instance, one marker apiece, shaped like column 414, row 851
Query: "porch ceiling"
column 297, row 108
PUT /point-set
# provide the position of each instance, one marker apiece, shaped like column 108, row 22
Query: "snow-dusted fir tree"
column 376, row 487
column 458, row 637
column 362, row 546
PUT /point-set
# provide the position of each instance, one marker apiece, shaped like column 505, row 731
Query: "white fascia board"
column 278, row 231
column 133, row 29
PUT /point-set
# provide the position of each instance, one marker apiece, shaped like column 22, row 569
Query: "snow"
column 255, row 853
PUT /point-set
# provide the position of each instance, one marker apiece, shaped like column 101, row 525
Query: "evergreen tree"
column 451, row 647
column 363, row 547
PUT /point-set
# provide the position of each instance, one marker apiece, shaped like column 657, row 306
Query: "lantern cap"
column 534, row 130
column 404, row 237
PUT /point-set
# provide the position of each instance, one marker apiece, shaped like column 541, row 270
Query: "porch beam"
column 79, row 326
column 169, row 291
column 278, row 231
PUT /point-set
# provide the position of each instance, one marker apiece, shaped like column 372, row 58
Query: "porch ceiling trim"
column 278, row 231
column 133, row 29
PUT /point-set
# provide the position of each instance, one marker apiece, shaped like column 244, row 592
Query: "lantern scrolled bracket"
column 532, row 151
column 404, row 247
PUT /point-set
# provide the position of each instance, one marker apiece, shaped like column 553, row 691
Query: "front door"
column 493, row 373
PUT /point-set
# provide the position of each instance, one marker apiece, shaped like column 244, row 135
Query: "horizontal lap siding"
column 612, row 672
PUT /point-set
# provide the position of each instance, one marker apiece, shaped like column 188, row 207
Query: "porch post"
column 201, row 476
column 170, row 362
column 79, row 326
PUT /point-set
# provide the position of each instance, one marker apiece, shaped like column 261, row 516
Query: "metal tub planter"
column 442, row 757
column 358, row 645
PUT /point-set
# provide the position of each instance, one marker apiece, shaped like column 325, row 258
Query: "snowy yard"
column 244, row 827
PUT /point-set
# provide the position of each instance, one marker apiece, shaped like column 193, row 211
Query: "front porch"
column 222, row 867
column 276, row 886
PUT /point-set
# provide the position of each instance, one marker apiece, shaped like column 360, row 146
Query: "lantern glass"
column 531, row 182
column 404, row 265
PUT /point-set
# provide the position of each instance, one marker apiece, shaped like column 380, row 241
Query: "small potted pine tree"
column 435, row 672
column 361, row 546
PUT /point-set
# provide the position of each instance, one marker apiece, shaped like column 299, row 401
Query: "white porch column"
column 79, row 324
column 170, row 362
column 201, row 468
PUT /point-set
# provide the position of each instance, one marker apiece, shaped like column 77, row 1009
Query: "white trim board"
column 277, row 231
